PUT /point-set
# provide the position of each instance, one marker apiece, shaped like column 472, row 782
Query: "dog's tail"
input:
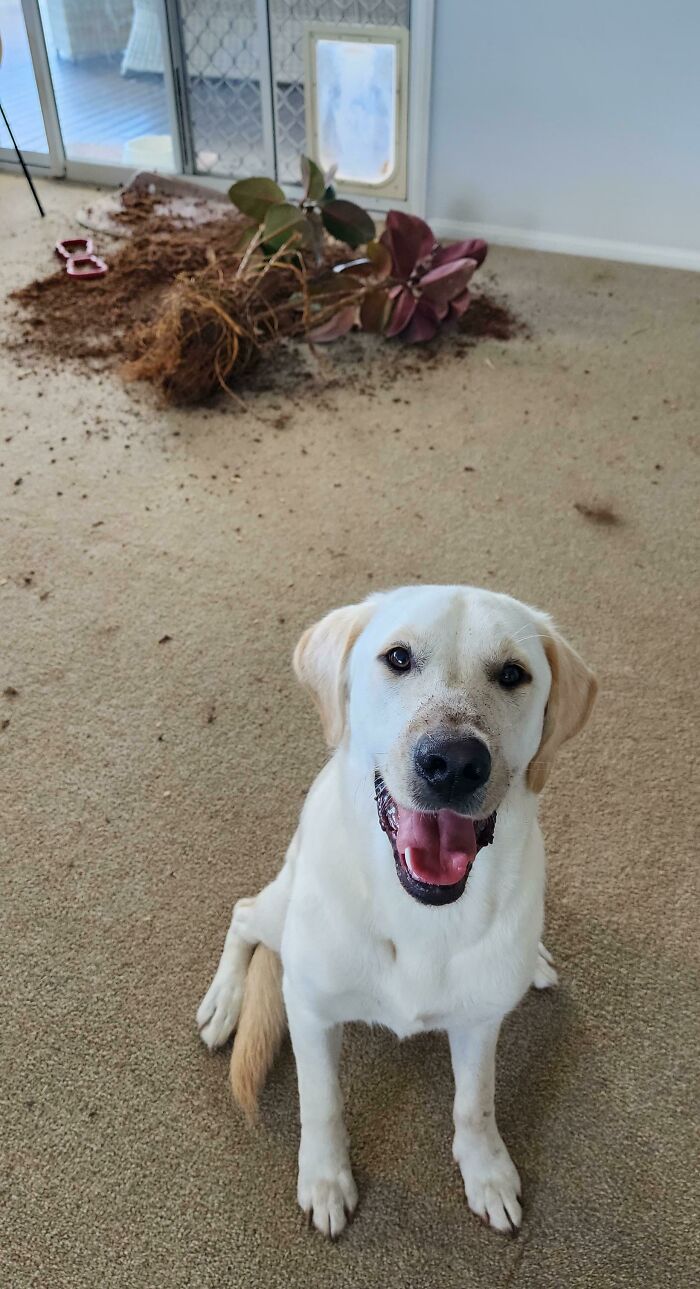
column 261, row 1029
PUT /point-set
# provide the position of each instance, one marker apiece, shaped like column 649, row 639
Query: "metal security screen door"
column 223, row 89
column 242, row 74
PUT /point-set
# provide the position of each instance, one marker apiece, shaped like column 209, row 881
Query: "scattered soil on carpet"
column 487, row 318
column 65, row 319
column 598, row 513
column 94, row 321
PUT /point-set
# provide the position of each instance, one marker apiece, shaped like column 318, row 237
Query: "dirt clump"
column 171, row 311
column 598, row 513
column 63, row 318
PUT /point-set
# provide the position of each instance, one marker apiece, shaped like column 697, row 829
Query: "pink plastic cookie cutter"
column 80, row 259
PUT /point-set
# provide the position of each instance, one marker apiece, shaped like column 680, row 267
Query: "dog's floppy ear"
column 320, row 661
column 571, row 698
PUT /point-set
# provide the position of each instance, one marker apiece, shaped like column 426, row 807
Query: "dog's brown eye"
column 511, row 675
column 399, row 658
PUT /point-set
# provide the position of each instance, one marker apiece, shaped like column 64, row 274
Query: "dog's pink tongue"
column 440, row 847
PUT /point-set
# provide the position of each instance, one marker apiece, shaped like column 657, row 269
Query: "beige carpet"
column 146, row 785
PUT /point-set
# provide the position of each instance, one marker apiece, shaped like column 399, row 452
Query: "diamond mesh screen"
column 222, row 52
column 287, row 23
column 223, row 49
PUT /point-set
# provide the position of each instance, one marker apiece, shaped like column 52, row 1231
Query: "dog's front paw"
column 219, row 1010
column 328, row 1196
column 545, row 972
column 491, row 1180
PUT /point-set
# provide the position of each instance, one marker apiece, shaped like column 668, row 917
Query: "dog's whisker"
column 537, row 635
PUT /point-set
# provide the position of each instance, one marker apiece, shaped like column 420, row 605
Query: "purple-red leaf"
column 472, row 249
column 448, row 280
column 335, row 327
column 404, row 309
column 459, row 304
column 430, row 284
column 408, row 240
column 423, row 325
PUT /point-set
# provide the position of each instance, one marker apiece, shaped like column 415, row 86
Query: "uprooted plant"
column 293, row 278
column 213, row 326
column 405, row 284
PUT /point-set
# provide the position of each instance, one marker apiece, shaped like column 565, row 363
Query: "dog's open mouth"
column 433, row 853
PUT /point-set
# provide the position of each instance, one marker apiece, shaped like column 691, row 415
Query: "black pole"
column 21, row 160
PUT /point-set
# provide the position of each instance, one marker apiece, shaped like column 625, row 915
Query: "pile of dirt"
column 102, row 321
column 150, row 198
column 488, row 318
column 64, row 318
column 140, row 210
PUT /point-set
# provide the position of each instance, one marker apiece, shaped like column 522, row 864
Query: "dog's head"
column 450, row 694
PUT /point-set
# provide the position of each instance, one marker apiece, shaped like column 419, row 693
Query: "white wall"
column 570, row 125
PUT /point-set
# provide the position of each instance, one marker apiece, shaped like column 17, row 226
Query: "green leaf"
column 254, row 197
column 312, row 179
column 284, row 223
column 316, row 234
column 347, row 222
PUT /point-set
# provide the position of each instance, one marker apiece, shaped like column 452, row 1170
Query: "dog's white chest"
column 409, row 985
column 358, row 948
column 403, row 993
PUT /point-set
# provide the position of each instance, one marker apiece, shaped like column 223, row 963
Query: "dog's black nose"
column 454, row 768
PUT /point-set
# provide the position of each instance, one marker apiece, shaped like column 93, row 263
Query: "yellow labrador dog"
column 412, row 893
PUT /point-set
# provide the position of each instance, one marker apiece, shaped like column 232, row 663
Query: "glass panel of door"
column 18, row 92
column 107, row 66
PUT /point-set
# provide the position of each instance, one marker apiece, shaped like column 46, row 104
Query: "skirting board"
column 667, row 257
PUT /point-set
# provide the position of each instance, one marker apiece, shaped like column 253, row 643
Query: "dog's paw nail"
column 492, row 1185
column 329, row 1202
column 545, row 976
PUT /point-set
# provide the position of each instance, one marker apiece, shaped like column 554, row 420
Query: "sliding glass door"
column 106, row 59
column 220, row 88
column 19, row 95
